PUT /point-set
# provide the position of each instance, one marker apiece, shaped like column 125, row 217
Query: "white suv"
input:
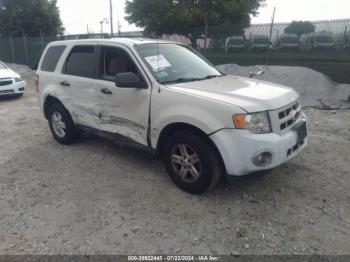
column 168, row 99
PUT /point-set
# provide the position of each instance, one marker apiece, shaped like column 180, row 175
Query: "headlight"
column 257, row 123
column 18, row 79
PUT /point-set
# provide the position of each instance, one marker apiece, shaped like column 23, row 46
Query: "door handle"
column 106, row 91
column 64, row 83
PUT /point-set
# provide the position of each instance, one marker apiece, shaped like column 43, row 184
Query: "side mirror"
column 129, row 80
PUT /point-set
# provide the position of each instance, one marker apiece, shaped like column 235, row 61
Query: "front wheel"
column 192, row 162
column 61, row 125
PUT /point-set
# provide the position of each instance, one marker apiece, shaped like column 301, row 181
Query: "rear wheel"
column 61, row 125
column 192, row 162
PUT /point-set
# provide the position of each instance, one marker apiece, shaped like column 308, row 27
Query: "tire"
column 208, row 170
column 59, row 118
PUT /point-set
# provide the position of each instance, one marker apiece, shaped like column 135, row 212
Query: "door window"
column 114, row 61
column 81, row 62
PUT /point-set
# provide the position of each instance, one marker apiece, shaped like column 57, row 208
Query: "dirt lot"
column 98, row 198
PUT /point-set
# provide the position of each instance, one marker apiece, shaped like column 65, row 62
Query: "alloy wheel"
column 59, row 126
column 186, row 163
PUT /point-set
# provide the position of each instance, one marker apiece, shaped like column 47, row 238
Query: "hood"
column 250, row 94
column 8, row 73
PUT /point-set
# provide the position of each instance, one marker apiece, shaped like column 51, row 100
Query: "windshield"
column 174, row 63
column 290, row 40
column 324, row 39
column 3, row 66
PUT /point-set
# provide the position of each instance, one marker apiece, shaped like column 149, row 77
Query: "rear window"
column 51, row 58
column 81, row 62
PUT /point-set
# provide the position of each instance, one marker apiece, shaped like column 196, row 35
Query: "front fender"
column 171, row 107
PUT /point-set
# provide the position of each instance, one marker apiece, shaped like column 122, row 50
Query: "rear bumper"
column 13, row 89
column 238, row 148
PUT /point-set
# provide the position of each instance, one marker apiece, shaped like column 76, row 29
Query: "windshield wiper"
column 189, row 79
column 181, row 80
column 211, row 76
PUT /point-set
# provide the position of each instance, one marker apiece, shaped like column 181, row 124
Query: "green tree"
column 30, row 18
column 192, row 18
column 300, row 27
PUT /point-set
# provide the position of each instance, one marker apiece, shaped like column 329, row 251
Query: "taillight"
column 36, row 83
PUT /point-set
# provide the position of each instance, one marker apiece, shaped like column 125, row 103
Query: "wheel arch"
column 50, row 100
column 168, row 130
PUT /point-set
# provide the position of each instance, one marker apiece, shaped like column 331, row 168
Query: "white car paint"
column 209, row 105
column 252, row 95
column 11, row 82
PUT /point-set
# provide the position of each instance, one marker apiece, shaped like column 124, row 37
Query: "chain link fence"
column 23, row 50
column 327, row 50
column 28, row 50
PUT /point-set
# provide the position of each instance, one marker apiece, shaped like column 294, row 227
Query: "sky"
column 78, row 14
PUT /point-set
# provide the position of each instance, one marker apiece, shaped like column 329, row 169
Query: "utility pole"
column 271, row 31
column 111, row 16
column 119, row 28
column 104, row 20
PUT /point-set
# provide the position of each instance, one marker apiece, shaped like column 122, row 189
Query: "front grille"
column 283, row 119
column 285, row 113
column 5, row 92
column 5, row 82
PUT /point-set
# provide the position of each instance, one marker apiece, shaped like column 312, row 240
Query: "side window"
column 114, row 61
column 81, row 62
column 51, row 58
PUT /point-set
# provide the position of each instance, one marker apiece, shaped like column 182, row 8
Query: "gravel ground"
column 97, row 198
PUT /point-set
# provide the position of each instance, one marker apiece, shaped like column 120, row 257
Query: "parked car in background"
column 260, row 42
column 166, row 98
column 235, row 43
column 288, row 41
column 11, row 83
column 319, row 40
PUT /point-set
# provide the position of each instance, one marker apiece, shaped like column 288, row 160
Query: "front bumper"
column 13, row 89
column 238, row 148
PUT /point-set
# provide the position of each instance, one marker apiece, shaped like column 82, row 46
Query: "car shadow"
column 227, row 184
column 7, row 98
